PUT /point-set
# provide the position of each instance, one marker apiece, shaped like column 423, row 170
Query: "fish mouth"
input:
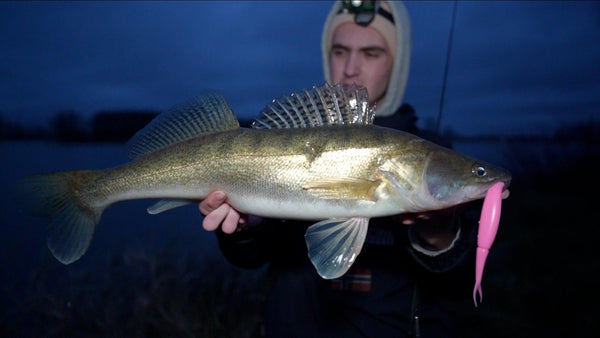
column 505, row 191
column 481, row 191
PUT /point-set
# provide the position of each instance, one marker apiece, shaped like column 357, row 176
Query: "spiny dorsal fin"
column 205, row 113
column 320, row 106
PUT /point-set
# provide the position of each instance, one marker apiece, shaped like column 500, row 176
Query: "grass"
column 139, row 295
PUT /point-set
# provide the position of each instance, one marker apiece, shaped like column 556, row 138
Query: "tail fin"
column 57, row 196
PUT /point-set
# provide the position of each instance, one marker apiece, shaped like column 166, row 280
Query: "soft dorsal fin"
column 205, row 113
column 320, row 106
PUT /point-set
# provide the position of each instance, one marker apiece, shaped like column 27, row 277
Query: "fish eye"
column 478, row 170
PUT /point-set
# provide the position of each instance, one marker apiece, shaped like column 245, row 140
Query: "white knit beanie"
column 396, row 34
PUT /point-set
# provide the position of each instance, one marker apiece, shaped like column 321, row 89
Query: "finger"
column 408, row 221
column 230, row 224
column 212, row 202
column 212, row 220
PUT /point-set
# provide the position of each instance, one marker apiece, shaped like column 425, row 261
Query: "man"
column 369, row 46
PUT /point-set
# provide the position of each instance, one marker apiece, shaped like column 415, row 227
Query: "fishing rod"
column 449, row 50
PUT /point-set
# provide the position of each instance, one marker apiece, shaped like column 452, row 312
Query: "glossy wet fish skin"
column 261, row 169
column 246, row 163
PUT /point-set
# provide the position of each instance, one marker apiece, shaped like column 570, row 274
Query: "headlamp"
column 364, row 11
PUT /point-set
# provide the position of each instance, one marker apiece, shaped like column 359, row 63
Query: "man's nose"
column 352, row 66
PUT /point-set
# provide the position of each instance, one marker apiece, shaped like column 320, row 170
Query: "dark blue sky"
column 515, row 66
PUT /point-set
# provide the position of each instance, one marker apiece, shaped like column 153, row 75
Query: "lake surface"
column 126, row 228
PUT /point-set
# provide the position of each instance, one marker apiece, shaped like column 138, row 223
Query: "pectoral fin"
column 334, row 244
column 164, row 205
column 343, row 188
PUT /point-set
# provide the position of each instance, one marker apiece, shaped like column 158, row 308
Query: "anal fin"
column 164, row 205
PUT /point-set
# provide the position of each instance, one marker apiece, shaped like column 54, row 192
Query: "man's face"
column 361, row 55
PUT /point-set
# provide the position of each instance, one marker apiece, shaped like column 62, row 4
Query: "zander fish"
column 313, row 155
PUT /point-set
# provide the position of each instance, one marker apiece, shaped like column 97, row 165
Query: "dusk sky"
column 515, row 67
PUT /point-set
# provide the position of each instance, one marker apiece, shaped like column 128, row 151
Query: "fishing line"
column 439, row 117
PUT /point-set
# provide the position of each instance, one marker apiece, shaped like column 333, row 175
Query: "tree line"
column 121, row 125
column 69, row 126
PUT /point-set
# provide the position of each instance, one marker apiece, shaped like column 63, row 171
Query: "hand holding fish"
column 434, row 230
column 219, row 213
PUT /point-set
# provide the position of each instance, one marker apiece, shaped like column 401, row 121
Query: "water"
column 494, row 152
column 526, row 158
column 125, row 228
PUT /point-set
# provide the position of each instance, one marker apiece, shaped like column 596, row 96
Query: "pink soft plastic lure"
column 488, row 226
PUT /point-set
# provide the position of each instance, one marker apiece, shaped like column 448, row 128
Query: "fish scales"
column 248, row 162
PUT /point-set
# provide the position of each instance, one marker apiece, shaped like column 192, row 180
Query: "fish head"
column 451, row 178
